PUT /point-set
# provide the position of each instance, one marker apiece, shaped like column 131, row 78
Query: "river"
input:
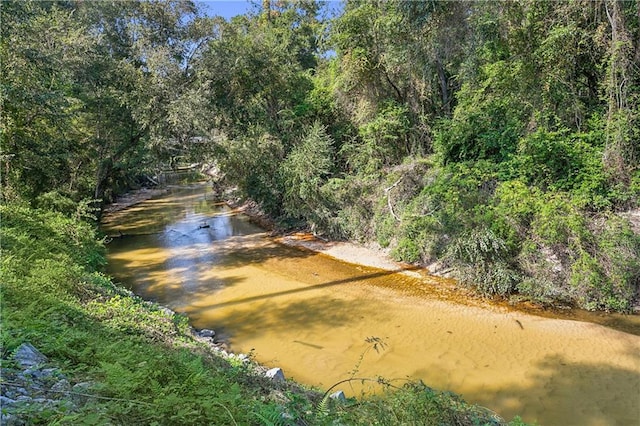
column 323, row 320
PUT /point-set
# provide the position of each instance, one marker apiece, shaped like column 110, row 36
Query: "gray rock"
column 4, row 401
column 275, row 374
column 338, row 396
column 7, row 419
column 168, row 312
column 205, row 332
column 42, row 373
column 21, row 391
column 27, row 356
column 61, row 386
column 44, row 401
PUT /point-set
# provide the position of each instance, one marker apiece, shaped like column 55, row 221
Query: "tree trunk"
column 619, row 150
column 444, row 88
column 102, row 179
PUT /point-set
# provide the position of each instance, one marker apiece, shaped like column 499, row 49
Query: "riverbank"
column 133, row 197
column 373, row 256
column 134, row 362
column 445, row 287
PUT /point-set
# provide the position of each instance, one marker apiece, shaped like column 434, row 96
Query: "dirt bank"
column 133, row 197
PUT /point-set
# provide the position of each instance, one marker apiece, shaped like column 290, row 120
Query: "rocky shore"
column 31, row 384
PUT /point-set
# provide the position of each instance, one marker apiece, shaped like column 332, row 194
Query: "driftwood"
column 152, row 180
column 388, row 191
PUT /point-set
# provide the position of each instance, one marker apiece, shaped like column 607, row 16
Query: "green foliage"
column 142, row 361
column 253, row 164
column 383, row 141
column 482, row 127
column 416, row 403
column 605, row 275
column 304, row 172
column 83, row 102
column 482, row 259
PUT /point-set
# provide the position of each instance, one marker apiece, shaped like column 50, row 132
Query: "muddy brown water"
column 322, row 320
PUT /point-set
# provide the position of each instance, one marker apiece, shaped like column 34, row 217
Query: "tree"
column 623, row 91
column 256, row 76
column 86, row 85
column 143, row 71
column 305, row 171
column 43, row 45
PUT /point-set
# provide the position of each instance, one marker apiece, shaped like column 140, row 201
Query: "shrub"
column 482, row 127
column 608, row 275
column 304, row 172
column 557, row 221
column 481, row 259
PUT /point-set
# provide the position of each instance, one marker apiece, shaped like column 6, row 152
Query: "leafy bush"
column 607, row 275
column 251, row 162
column 482, row 127
column 382, row 141
column 482, row 260
column 304, row 172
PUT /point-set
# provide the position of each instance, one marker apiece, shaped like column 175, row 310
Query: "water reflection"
column 311, row 315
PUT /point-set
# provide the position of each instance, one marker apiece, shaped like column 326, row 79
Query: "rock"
column 275, row 374
column 27, row 356
column 14, row 392
column 46, row 402
column 40, row 373
column 206, row 333
column 10, row 420
column 4, row 401
column 168, row 312
column 63, row 386
column 338, row 396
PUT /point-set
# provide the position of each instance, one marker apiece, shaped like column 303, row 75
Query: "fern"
column 271, row 415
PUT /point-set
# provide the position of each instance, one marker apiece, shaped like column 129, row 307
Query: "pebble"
column 275, row 374
column 338, row 396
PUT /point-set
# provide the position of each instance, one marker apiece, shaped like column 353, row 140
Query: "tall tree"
column 43, row 45
column 623, row 90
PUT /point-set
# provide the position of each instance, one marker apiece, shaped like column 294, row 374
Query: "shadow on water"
column 559, row 385
column 270, row 296
column 305, row 314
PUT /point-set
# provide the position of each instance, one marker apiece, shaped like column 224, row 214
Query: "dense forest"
column 500, row 140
